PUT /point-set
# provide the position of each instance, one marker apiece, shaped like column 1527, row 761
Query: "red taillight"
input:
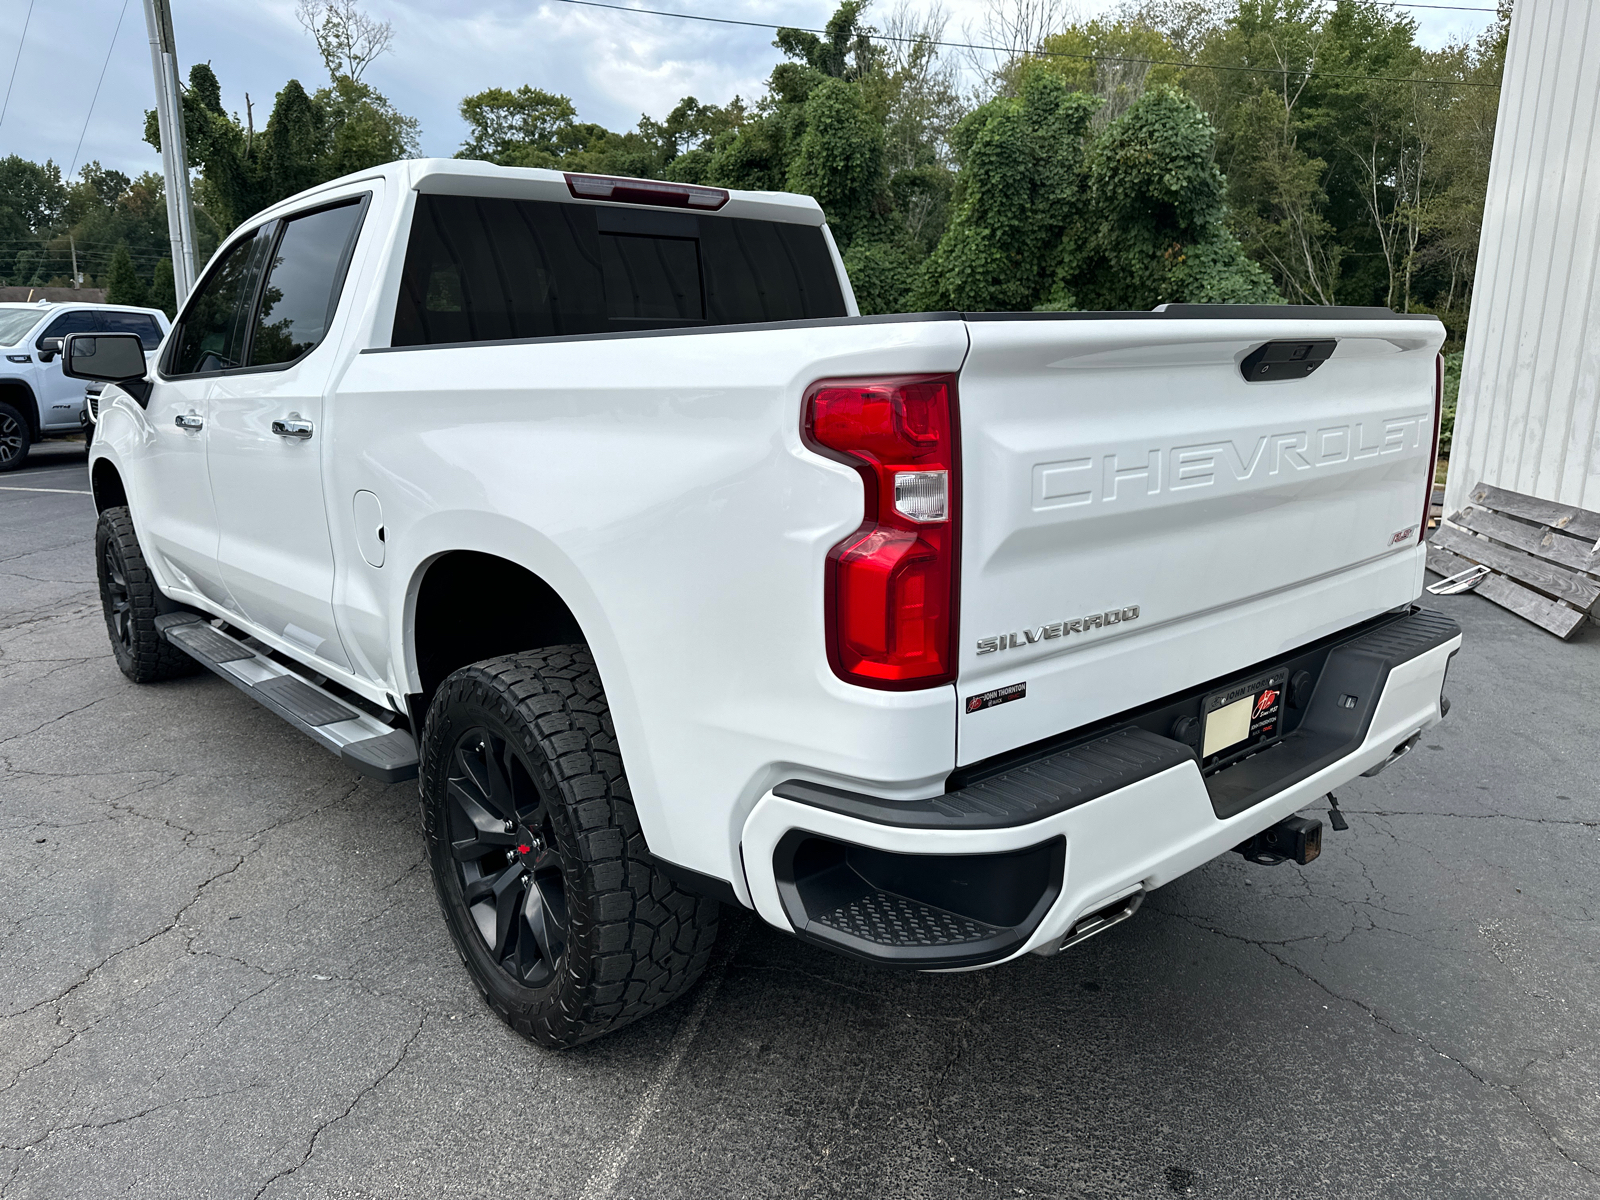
column 892, row 585
column 645, row 191
column 1433, row 459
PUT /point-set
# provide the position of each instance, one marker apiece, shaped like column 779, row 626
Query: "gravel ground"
column 223, row 973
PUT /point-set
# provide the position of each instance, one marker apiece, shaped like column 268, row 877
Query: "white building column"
column 1530, row 378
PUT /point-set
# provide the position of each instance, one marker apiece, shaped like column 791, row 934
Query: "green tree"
column 123, row 285
column 1109, row 59
column 1019, row 199
column 1051, row 215
column 520, row 128
column 32, row 198
column 163, row 292
column 839, row 158
column 309, row 138
column 1158, row 207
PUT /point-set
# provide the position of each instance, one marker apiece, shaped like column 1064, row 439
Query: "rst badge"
column 1058, row 629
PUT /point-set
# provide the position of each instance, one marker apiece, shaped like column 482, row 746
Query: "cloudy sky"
column 615, row 66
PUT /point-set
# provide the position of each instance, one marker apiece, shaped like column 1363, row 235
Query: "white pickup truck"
column 934, row 639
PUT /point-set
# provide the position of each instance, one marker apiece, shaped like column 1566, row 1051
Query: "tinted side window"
column 480, row 270
column 302, row 284
column 96, row 321
column 147, row 329
column 81, row 321
column 768, row 271
column 211, row 337
column 486, row 269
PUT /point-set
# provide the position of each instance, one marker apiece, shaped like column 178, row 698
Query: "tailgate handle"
column 1275, row 361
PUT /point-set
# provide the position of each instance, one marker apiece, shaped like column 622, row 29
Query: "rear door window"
column 480, row 269
column 303, row 283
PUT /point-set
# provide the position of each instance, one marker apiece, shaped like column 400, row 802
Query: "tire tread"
column 635, row 940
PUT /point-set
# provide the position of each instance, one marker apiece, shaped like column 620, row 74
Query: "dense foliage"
column 1241, row 150
column 1178, row 150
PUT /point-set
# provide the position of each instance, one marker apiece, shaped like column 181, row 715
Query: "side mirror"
column 108, row 358
column 104, row 357
column 48, row 349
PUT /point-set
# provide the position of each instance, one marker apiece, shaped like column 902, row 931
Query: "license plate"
column 1242, row 718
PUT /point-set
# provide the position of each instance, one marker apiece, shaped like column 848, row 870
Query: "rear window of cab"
column 486, row 269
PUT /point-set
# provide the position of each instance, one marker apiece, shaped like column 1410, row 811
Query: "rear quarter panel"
column 659, row 484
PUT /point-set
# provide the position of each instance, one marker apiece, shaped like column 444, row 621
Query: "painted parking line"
column 59, row 491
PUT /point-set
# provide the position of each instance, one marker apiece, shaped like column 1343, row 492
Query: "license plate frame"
column 1262, row 723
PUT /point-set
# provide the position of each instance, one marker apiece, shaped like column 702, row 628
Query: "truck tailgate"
column 1138, row 519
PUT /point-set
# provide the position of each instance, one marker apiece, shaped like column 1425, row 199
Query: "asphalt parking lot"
column 223, row 973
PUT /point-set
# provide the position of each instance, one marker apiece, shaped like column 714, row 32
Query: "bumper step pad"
column 886, row 919
column 360, row 739
column 916, row 910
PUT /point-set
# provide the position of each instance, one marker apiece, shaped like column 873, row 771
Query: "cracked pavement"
column 223, row 973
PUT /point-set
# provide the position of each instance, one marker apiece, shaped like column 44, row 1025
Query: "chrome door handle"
column 292, row 429
column 190, row 421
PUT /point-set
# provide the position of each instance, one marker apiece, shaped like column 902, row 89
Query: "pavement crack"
column 311, row 1147
column 1378, row 1019
column 52, row 721
column 177, row 917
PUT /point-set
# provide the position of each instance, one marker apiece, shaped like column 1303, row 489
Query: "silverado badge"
column 1057, row 629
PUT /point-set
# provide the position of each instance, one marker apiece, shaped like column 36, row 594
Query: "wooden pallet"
column 1543, row 558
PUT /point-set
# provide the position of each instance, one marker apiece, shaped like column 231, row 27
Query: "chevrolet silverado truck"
column 934, row 639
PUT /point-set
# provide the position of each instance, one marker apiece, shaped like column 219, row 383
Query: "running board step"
column 360, row 739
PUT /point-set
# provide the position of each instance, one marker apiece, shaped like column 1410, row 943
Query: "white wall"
column 1530, row 380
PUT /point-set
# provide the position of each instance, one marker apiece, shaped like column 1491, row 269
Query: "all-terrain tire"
column 536, row 726
column 15, row 438
column 130, row 601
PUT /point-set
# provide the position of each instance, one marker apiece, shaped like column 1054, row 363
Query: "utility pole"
column 77, row 280
column 174, row 157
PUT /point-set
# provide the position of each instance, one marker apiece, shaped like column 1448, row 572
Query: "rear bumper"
column 1100, row 822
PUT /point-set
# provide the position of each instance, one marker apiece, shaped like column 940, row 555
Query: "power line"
column 90, row 114
column 1148, row 62
column 15, row 62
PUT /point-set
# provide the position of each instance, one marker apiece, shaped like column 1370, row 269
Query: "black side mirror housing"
column 48, row 348
column 107, row 358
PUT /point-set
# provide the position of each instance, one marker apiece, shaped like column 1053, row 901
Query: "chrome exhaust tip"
column 1102, row 919
column 1399, row 752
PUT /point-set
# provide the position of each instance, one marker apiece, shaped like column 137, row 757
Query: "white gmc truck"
column 934, row 639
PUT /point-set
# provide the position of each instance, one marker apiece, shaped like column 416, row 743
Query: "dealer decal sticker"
column 983, row 700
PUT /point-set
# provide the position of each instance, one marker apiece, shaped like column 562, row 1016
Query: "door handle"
column 292, row 428
column 189, row 421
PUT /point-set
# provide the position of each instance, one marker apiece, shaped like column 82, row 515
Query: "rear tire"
column 15, row 438
column 129, row 598
column 557, row 909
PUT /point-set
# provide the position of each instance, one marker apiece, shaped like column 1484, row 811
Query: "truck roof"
column 470, row 177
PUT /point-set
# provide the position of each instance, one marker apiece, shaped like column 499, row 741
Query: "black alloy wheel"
column 504, row 846
column 15, row 438
column 130, row 601
column 115, row 598
column 561, row 916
